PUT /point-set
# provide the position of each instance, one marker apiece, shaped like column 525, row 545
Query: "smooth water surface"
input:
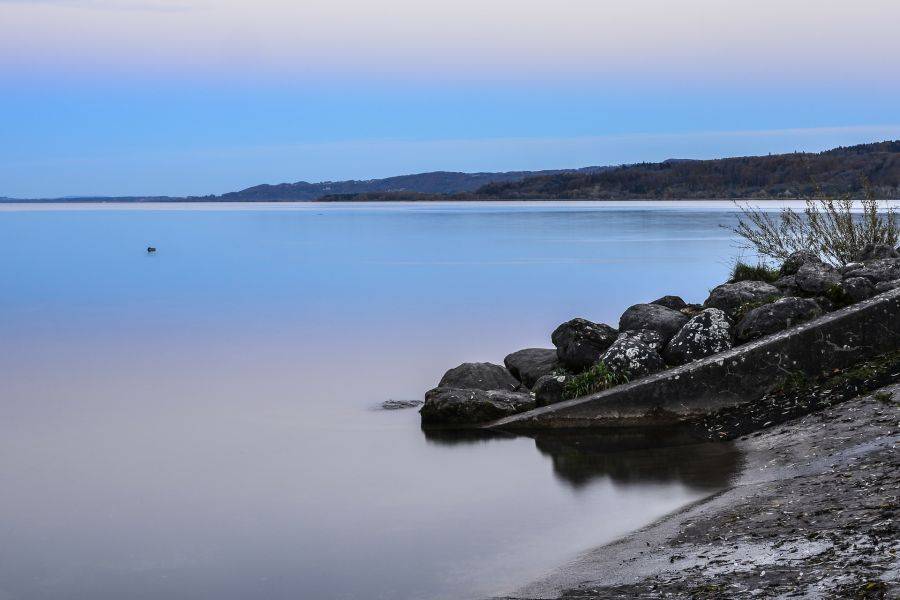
column 202, row 422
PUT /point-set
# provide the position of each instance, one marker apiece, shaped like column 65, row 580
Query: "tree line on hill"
column 843, row 170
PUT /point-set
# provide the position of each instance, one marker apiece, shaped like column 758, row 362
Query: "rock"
column 729, row 297
column 652, row 338
column 480, row 376
column 884, row 286
column 453, row 406
column 673, row 302
column 877, row 271
column 796, row 260
column 787, row 285
column 850, row 267
column 857, row 289
column 531, row 364
column 875, row 251
column 707, row 333
column 579, row 343
column 777, row 316
column 400, row 404
column 550, row 389
column 632, row 358
column 817, row 278
column 654, row 317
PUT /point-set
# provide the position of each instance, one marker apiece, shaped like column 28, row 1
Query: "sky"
column 191, row 97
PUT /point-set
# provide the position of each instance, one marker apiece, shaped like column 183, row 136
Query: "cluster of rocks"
column 664, row 333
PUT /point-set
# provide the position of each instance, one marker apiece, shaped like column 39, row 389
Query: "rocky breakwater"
column 662, row 340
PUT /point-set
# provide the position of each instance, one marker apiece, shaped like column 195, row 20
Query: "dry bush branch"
column 827, row 227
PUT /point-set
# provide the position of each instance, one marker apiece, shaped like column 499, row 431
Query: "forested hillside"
column 834, row 172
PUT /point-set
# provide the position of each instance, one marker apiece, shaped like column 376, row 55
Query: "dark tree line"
column 845, row 170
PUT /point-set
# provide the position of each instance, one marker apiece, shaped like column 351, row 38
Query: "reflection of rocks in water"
column 455, row 437
column 639, row 457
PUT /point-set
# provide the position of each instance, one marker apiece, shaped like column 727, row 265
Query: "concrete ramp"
column 836, row 340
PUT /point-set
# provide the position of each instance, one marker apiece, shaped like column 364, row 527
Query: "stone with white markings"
column 707, row 333
column 877, row 271
column 632, row 358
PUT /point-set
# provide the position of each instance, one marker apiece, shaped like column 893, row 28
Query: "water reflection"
column 622, row 456
column 463, row 437
column 628, row 457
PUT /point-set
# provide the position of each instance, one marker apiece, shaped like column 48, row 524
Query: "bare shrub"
column 827, row 226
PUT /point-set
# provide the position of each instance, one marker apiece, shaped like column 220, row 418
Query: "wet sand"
column 812, row 515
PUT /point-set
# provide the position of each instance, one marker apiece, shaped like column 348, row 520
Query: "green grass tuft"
column 761, row 272
column 596, row 379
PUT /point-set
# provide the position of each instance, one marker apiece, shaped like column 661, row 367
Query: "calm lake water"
column 202, row 422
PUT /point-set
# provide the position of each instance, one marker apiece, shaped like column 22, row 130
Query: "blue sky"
column 112, row 97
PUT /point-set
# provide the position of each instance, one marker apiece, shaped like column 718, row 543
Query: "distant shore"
column 323, row 203
column 856, row 170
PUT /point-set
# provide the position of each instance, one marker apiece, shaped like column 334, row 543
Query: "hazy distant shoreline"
column 325, row 203
column 856, row 170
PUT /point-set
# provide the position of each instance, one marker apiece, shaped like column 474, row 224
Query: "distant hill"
column 439, row 182
column 838, row 171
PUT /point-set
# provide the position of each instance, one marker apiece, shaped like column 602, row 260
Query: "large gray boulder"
column 654, row 317
column 796, row 260
column 876, row 271
column 876, row 251
column 531, row 364
column 673, row 302
column 480, row 376
column 579, row 343
column 729, row 297
column 705, row 334
column 777, row 316
column 550, row 389
column 452, row 406
column 652, row 338
column 850, row 267
column 787, row 285
column 857, row 289
column 632, row 358
column 817, row 278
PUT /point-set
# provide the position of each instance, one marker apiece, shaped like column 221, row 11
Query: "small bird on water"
column 151, row 249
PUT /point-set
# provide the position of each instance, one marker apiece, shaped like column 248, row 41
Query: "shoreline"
column 321, row 202
column 810, row 515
